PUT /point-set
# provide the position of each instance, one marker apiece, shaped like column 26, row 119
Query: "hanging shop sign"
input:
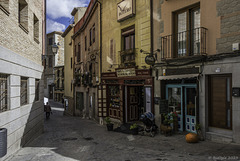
column 126, row 9
column 126, row 72
column 150, row 60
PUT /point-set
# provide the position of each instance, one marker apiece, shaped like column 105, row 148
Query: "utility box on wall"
column 236, row 92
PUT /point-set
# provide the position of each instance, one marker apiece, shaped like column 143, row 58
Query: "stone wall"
column 229, row 12
column 20, row 56
column 23, row 123
column 10, row 30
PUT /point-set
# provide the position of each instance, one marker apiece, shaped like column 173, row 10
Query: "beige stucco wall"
column 68, row 54
column 163, row 14
column 111, row 29
column 83, row 65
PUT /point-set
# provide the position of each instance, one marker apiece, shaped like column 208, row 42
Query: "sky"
column 59, row 13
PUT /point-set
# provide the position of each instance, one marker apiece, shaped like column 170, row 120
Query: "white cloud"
column 63, row 8
column 54, row 26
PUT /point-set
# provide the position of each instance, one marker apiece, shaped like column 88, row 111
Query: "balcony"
column 184, row 44
column 128, row 58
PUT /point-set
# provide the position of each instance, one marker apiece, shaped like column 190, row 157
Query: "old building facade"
column 22, row 32
column 51, row 60
column 126, row 87
column 197, row 71
column 77, row 12
column 59, row 84
column 86, row 61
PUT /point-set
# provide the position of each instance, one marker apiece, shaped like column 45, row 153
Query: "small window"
column 4, row 6
column 85, row 43
column 90, row 36
column 93, row 33
column 37, row 89
column 50, row 41
column 79, row 53
column 50, row 61
column 24, row 91
column 36, row 29
column 3, row 93
column 23, row 15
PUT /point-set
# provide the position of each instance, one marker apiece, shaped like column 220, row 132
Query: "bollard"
column 3, row 142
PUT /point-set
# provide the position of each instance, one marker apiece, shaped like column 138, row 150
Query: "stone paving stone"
column 75, row 139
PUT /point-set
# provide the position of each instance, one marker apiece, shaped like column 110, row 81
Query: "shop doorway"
column 182, row 100
column 135, row 102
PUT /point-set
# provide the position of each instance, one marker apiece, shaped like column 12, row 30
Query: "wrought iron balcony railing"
column 128, row 58
column 187, row 43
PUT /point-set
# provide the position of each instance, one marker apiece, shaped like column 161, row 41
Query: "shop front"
column 181, row 99
column 126, row 94
column 180, row 95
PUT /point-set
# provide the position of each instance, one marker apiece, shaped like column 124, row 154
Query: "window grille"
column 23, row 91
column 37, row 90
column 3, row 93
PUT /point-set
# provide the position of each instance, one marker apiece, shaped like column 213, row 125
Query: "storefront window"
column 174, row 100
column 191, row 95
column 114, row 93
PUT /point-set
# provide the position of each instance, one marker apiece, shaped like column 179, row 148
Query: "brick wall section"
column 229, row 10
column 23, row 43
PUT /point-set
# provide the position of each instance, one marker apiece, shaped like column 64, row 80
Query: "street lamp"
column 54, row 48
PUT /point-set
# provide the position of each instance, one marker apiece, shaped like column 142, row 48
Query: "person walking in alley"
column 47, row 109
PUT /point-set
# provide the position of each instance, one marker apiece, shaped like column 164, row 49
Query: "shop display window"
column 114, row 96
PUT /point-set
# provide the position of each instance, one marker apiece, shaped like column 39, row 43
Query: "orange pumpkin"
column 192, row 138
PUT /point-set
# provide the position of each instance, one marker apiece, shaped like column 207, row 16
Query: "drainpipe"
column 151, row 50
column 151, row 21
column 100, row 4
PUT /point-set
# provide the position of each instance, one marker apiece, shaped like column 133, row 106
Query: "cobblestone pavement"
column 74, row 139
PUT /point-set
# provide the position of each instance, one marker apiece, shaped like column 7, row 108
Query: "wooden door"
column 132, row 109
column 220, row 110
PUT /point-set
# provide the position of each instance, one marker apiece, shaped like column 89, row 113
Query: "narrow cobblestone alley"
column 68, row 138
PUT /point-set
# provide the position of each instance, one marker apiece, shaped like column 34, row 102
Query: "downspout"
column 151, row 51
column 151, row 21
column 100, row 39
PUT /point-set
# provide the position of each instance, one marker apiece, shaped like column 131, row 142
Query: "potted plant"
column 134, row 129
column 109, row 124
column 199, row 132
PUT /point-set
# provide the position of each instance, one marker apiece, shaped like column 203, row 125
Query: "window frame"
column 4, row 92
column 24, row 91
column 5, row 7
column 37, row 87
column 22, row 19
column 189, row 27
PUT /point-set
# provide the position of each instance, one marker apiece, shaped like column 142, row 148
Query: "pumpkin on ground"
column 192, row 138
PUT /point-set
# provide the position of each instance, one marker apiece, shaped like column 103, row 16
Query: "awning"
column 171, row 77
